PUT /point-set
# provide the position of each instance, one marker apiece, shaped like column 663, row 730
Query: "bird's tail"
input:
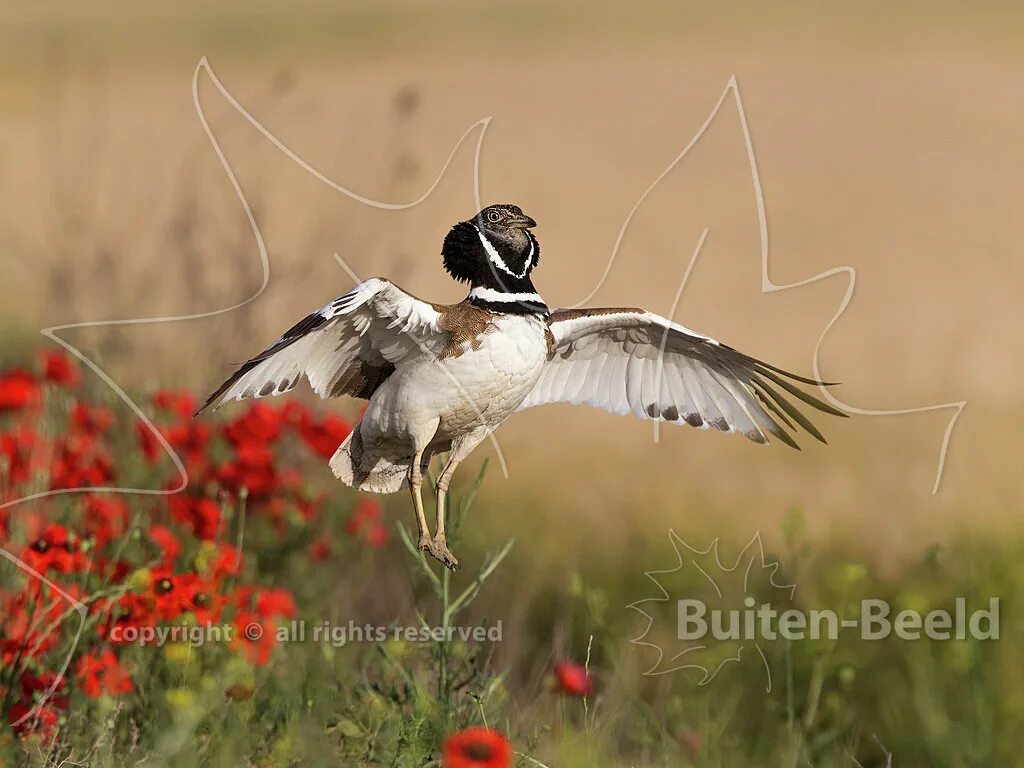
column 370, row 468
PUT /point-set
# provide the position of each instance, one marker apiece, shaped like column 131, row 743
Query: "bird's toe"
column 439, row 549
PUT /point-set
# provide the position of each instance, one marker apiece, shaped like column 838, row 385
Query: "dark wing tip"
column 806, row 397
column 760, row 364
column 204, row 406
column 209, row 401
column 767, row 392
column 244, row 369
column 788, row 440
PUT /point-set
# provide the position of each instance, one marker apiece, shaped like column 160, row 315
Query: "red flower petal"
column 477, row 747
column 573, row 679
column 18, row 389
column 60, row 369
column 181, row 403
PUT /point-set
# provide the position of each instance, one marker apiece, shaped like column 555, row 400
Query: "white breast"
column 486, row 383
column 497, row 376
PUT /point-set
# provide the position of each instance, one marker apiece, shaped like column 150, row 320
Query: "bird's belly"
column 480, row 383
column 486, row 385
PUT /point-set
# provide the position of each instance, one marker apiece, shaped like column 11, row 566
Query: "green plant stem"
column 442, row 648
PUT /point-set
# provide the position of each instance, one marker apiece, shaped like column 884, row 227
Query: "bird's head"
column 494, row 249
column 505, row 222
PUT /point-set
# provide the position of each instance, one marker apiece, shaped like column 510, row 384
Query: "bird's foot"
column 438, row 548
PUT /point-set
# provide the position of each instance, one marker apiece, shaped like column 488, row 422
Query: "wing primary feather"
column 232, row 380
column 797, row 392
column 758, row 364
column 778, row 431
column 767, row 402
column 792, row 410
column 765, row 409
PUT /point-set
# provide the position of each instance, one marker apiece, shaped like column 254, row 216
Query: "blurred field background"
column 886, row 139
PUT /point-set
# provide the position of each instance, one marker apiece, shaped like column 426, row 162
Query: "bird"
column 440, row 378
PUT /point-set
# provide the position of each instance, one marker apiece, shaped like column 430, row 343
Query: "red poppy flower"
column 573, row 679
column 100, row 673
column 252, row 469
column 147, row 442
column 18, row 389
column 59, row 369
column 33, row 683
column 33, row 688
column 54, row 550
column 201, row 598
column 167, row 542
column 260, row 424
column 190, row 438
column 294, row 413
column 477, row 747
column 90, row 421
column 202, row 515
column 129, row 610
column 366, row 512
column 44, row 721
column 17, row 448
column 324, row 436
column 275, row 602
column 105, row 519
column 319, row 550
column 168, row 600
column 181, row 403
column 78, row 464
column 377, row 536
column 365, row 521
column 254, row 637
column 30, row 624
column 115, row 570
column 228, row 562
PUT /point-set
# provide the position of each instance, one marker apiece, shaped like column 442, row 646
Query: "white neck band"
column 489, row 294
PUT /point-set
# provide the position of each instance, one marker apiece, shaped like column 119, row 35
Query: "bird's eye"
column 493, row 216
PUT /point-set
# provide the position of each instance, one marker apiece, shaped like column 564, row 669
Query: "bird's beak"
column 523, row 222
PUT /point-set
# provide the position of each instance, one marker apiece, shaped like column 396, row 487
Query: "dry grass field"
column 886, row 140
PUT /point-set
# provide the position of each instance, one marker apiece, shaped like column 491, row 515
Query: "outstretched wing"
column 347, row 347
column 634, row 361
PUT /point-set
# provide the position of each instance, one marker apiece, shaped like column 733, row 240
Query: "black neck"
column 499, row 289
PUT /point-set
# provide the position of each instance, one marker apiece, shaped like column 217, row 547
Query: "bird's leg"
column 439, row 546
column 415, row 482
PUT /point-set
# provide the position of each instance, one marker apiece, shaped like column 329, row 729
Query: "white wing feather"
column 633, row 361
column 348, row 346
